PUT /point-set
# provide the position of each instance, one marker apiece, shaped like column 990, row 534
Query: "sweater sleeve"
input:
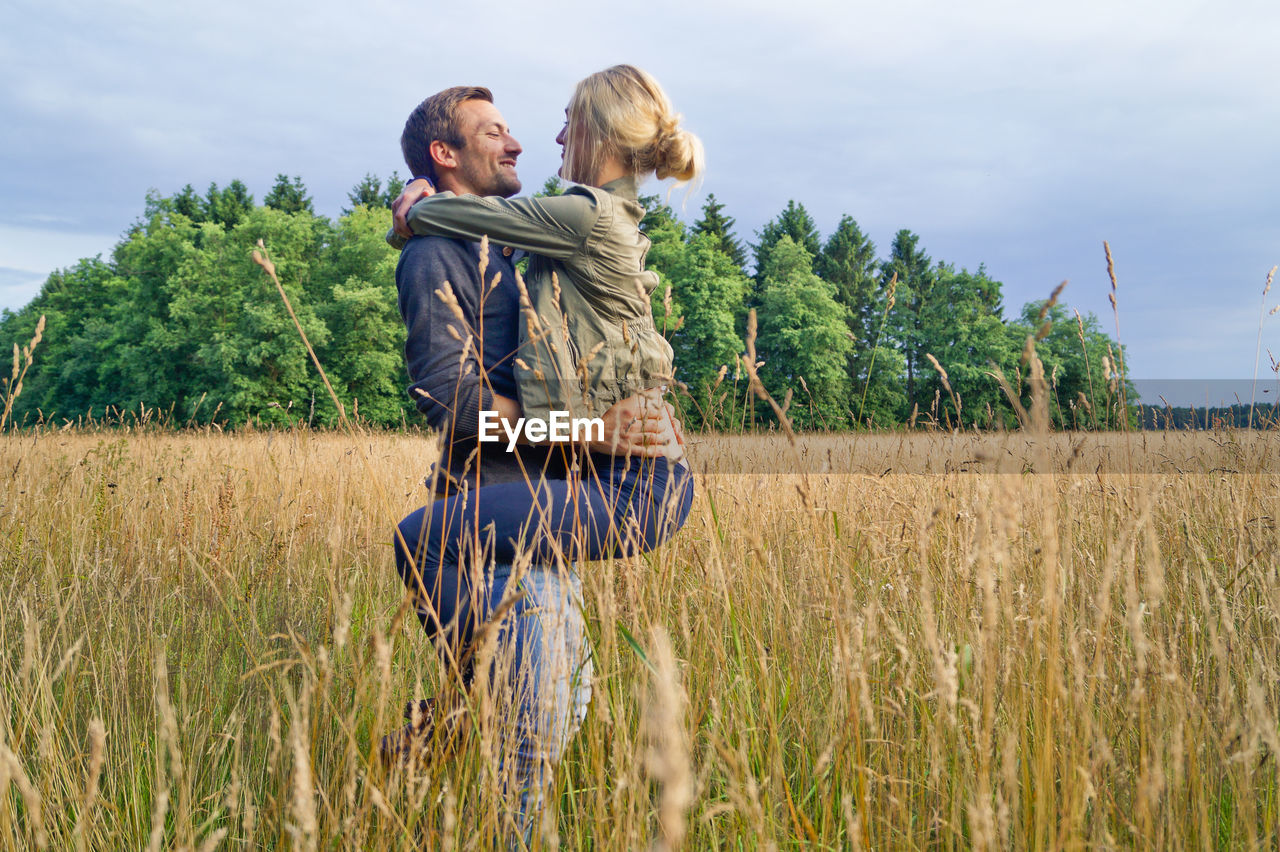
column 555, row 227
column 445, row 372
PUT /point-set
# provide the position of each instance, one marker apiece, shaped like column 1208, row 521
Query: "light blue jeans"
column 540, row 677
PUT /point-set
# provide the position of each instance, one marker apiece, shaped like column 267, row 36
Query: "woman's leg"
column 441, row 549
column 651, row 499
column 624, row 508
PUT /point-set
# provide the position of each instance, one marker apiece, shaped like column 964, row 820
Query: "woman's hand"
column 413, row 191
column 641, row 425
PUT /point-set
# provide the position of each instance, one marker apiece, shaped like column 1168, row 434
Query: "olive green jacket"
column 587, row 336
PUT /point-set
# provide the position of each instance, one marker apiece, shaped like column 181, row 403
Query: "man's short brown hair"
column 436, row 118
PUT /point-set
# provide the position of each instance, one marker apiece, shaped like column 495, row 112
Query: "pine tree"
column 226, row 207
column 720, row 228
column 848, row 262
column 289, row 196
column 910, row 270
column 395, row 185
column 367, row 193
column 370, row 192
column 794, row 222
column 658, row 215
column 190, row 204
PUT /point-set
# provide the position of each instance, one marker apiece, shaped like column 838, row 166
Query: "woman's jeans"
column 467, row 548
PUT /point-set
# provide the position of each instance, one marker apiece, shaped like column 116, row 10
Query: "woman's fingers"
column 657, row 435
column 412, row 192
column 642, row 425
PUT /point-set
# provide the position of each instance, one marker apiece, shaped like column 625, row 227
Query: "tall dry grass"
column 198, row 650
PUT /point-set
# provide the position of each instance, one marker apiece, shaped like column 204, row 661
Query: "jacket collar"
column 624, row 187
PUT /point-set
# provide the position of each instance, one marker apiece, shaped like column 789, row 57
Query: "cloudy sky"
column 1016, row 134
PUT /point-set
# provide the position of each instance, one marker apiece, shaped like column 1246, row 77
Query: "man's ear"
column 442, row 154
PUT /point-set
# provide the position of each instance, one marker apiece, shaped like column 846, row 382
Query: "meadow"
column 202, row 639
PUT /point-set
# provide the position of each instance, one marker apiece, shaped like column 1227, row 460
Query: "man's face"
column 487, row 161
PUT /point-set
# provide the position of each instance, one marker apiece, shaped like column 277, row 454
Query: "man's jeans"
column 542, row 653
column 540, row 677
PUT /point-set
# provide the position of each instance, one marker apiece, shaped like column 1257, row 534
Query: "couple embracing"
column 495, row 554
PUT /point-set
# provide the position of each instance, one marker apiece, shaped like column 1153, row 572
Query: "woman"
column 587, row 341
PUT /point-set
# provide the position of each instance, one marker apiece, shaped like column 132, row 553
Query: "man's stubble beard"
column 507, row 186
column 500, row 184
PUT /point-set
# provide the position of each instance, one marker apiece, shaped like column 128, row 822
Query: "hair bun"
column 679, row 153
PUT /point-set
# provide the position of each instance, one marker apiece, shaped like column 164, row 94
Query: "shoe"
column 410, row 743
column 424, row 707
column 429, row 732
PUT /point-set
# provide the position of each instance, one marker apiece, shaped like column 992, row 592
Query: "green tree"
column 366, row 193
column 356, row 298
column 720, row 228
column 395, row 184
column 667, row 247
column 909, row 271
column 69, row 361
column 188, row 203
column 848, row 262
column 1073, row 349
column 659, row 215
column 152, row 368
column 961, row 326
column 226, row 207
column 180, row 313
column 289, row 196
column 369, row 192
column 803, row 339
column 247, row 354
column 794, row 222
column 708, row 289
column 552, row 186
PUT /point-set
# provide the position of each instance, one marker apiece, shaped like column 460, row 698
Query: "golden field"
column 966, row 642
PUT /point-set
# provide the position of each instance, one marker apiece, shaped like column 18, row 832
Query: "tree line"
column 846, row 338
column 179, row 320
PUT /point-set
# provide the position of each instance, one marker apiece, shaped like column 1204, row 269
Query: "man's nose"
column 513, row 147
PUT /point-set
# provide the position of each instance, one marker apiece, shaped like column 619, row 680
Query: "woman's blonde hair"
column 622, row 110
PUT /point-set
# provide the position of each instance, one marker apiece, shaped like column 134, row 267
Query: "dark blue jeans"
column 466, row 548
column 615, row 507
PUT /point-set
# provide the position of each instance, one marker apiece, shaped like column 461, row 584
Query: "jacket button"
column 507, row 251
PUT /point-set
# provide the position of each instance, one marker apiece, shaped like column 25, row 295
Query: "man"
column 460, row 350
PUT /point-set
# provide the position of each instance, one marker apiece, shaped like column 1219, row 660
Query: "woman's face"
column 562, row 139
column 574, row 136
column 560, row 142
